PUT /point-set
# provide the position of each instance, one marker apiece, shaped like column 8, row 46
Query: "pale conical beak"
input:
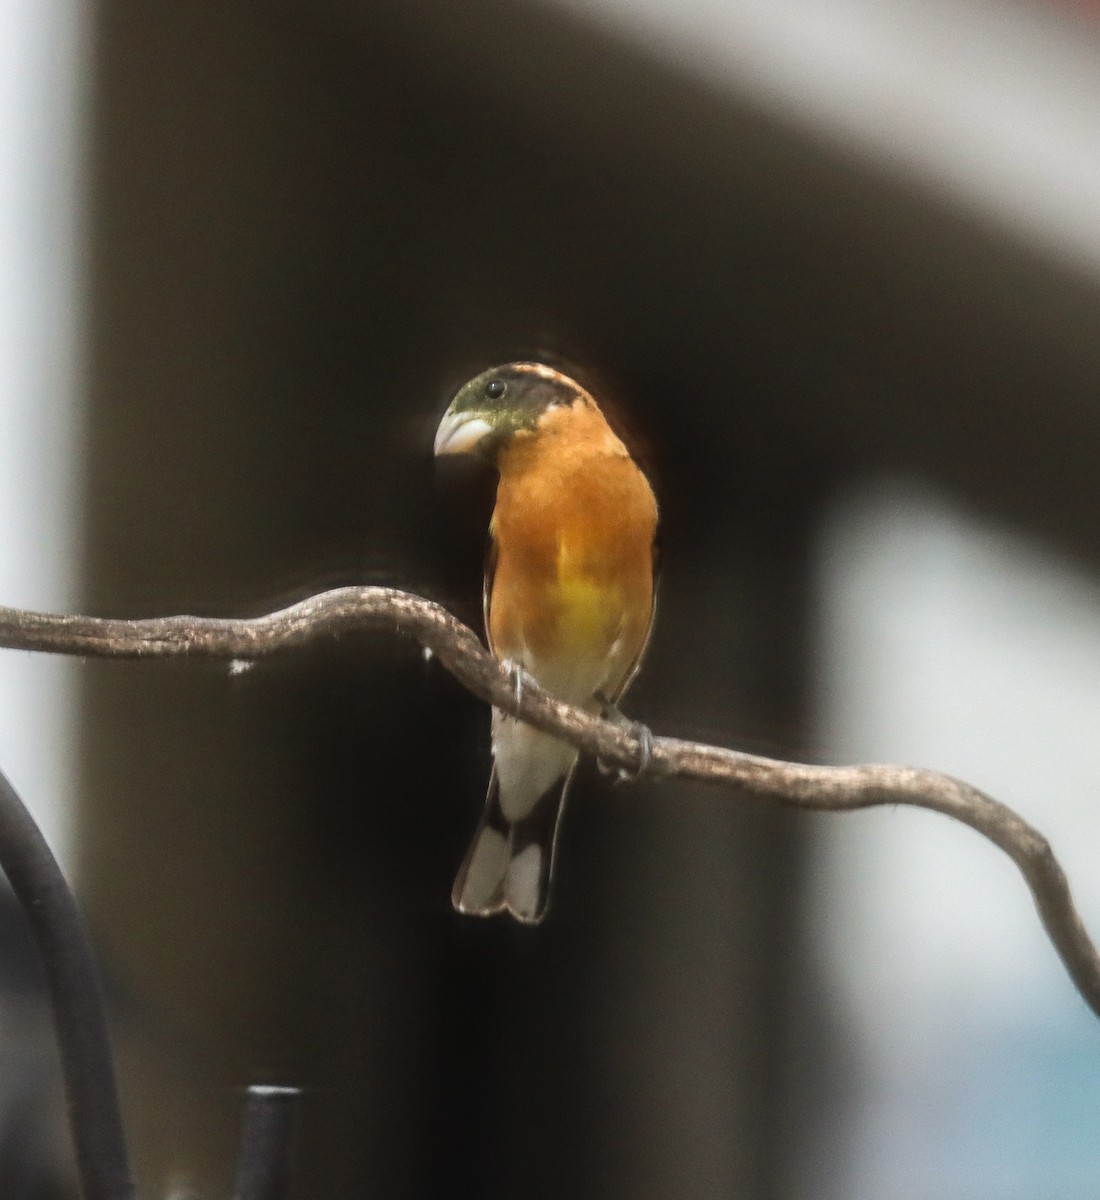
column 460, row 432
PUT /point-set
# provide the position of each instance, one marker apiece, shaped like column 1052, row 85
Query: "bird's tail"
column 510, row 863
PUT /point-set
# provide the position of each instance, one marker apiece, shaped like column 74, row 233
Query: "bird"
column 569, row 600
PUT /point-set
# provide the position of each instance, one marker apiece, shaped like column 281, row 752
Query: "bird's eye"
column 495, row 388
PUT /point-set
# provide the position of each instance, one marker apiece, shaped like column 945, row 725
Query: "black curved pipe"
column 76, row 1000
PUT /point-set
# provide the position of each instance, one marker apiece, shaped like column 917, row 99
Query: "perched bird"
column 569, row 594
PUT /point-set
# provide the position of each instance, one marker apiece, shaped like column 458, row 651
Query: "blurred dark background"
column 307, row 223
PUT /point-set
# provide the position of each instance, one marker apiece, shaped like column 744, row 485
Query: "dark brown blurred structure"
column 309, row 221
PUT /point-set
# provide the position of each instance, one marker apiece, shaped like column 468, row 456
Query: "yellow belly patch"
column 587, row 606
column 584, row 615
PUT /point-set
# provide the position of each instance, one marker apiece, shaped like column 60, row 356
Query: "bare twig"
column 829, row 789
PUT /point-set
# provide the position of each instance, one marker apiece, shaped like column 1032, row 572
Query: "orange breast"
column 572, row 597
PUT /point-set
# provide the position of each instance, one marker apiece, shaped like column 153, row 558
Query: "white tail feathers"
column 510, row 862
column 479, row 887
column 493, row 880
column 523, row 885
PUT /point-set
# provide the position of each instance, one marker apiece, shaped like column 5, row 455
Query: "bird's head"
column 488, row 412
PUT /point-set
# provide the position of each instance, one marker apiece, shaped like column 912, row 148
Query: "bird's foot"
column 645, row 746
column 521, row 677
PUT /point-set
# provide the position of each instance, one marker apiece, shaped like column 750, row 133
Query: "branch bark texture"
column 827, row 789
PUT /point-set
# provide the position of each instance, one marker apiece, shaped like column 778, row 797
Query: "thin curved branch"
column 828, row 789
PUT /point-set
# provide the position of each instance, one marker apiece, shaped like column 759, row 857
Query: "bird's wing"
column 636, row 665
column 492, row 553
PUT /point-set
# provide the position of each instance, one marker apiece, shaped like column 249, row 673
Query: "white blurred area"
column 952, row 644
column 41, row 76
column 995, row 103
